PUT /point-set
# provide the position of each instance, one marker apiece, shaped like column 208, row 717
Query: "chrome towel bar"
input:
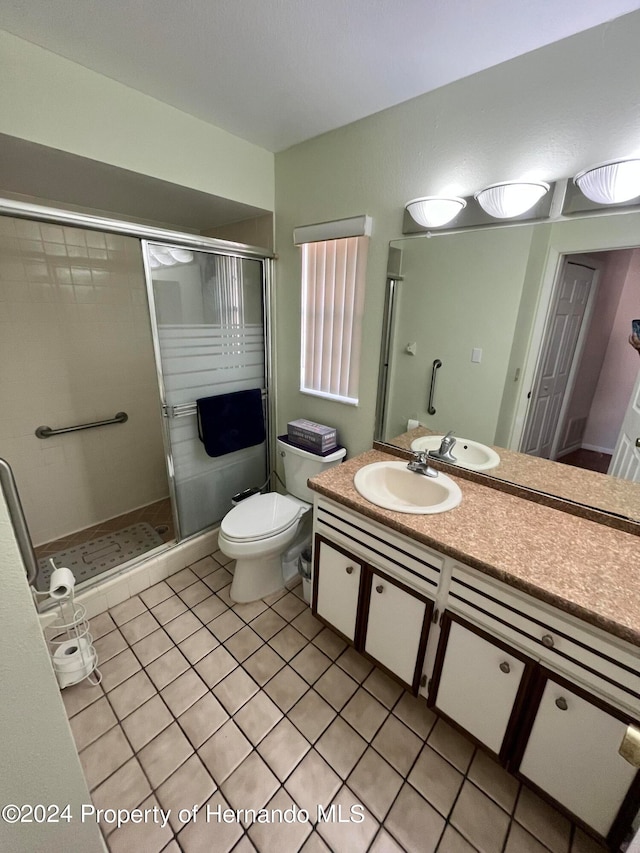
column 183, row 410
column 47, row 432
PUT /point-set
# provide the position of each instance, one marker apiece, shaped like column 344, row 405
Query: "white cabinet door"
column 572, row 754
column 338, row 588
column 478, row 685
column 395, row 627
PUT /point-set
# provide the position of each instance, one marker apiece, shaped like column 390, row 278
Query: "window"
column 333, row 278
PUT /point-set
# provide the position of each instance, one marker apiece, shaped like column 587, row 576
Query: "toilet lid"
column 261, row 515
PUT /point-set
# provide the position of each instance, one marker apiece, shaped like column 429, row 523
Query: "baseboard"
column 607, row 450
column 567, row 450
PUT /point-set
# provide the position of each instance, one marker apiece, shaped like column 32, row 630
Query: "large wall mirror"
column 530, row 325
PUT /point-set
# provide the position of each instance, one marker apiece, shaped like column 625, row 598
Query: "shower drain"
column 161, row 529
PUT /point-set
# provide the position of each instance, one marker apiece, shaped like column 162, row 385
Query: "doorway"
column 586, row 369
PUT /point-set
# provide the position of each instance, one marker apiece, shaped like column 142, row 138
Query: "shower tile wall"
column 75, row 346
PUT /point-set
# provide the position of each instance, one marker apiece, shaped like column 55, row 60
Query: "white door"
column 557, row 355
column 394, row 627
column 572, row 754
column 338, row 589
column 625, row 462
column 478, row 685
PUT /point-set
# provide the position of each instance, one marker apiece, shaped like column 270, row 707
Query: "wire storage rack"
column 68, row 637
column 71, row 646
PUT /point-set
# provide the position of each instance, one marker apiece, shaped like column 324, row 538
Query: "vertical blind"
column 333, row 277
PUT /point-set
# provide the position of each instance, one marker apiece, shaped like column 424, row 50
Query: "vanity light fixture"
column 611, row 182
column 510, row 198
column 432, row 211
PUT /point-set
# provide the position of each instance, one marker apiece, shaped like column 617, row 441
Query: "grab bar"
column 47, row 432
column 432, row 390
column 18, row 520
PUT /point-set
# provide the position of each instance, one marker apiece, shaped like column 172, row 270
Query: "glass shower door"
column 209, row 331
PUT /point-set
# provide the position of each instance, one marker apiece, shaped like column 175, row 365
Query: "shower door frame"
column 43, row 213
column 233, row 250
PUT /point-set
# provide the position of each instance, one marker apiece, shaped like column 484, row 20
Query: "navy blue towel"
column 230, row 422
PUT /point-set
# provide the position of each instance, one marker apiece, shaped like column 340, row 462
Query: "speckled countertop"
column 585, row 568
column 611, row 494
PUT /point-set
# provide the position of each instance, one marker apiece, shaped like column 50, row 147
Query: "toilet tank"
column 301, row 464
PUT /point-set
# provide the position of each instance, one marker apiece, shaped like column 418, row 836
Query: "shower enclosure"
column 106, row 342
column 209, row 336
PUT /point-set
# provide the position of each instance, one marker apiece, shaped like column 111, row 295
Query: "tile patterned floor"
column 210, row 703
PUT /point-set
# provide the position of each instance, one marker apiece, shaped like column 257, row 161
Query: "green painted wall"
column 50, row 100
column 547, row 114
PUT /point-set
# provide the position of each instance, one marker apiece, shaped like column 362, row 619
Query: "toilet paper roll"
column 72, row 654
column 62, row 583
column 73, row 660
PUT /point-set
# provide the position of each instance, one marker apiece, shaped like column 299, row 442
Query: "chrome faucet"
column 444, row 451
column 420, row 465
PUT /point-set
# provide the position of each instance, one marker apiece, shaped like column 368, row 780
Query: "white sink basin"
column 469, row 454
column 391, row 485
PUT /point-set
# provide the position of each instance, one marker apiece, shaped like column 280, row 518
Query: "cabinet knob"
column 379, row 588
column 547, row 641
column 349, row 570
column 561, row 703
column 504, row 667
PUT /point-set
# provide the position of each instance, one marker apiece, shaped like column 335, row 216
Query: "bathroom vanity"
column 519, row 623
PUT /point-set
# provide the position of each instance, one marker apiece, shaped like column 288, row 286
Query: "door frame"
column 593, row 238
column 579, row 260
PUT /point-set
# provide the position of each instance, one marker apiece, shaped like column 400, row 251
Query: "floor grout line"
column 309, row 685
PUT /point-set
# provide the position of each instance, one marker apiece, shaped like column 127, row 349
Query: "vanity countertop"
column 587, row 569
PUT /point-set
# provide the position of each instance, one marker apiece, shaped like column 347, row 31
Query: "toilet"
column 258, row 531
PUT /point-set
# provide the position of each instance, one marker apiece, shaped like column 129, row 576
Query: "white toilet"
column 258, row 531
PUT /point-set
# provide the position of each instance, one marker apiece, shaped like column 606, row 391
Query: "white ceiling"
column 277, row 72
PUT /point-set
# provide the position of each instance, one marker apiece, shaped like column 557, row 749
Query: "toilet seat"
column 262, row 516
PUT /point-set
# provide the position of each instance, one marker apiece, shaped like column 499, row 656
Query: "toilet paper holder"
column 68, row 637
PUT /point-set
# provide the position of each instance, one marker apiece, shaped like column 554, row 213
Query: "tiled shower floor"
column 258, row 705
column 157, row 514
column 88, row 560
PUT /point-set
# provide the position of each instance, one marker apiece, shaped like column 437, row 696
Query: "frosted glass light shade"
column 432, row 211
column 509, row 199
column 610, row 183
column 168, row 256
column 181, row 256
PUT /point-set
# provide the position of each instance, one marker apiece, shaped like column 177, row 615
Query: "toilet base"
column 256, row 578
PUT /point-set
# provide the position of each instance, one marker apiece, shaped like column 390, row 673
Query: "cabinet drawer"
column 561, row 641
column 412, row 563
